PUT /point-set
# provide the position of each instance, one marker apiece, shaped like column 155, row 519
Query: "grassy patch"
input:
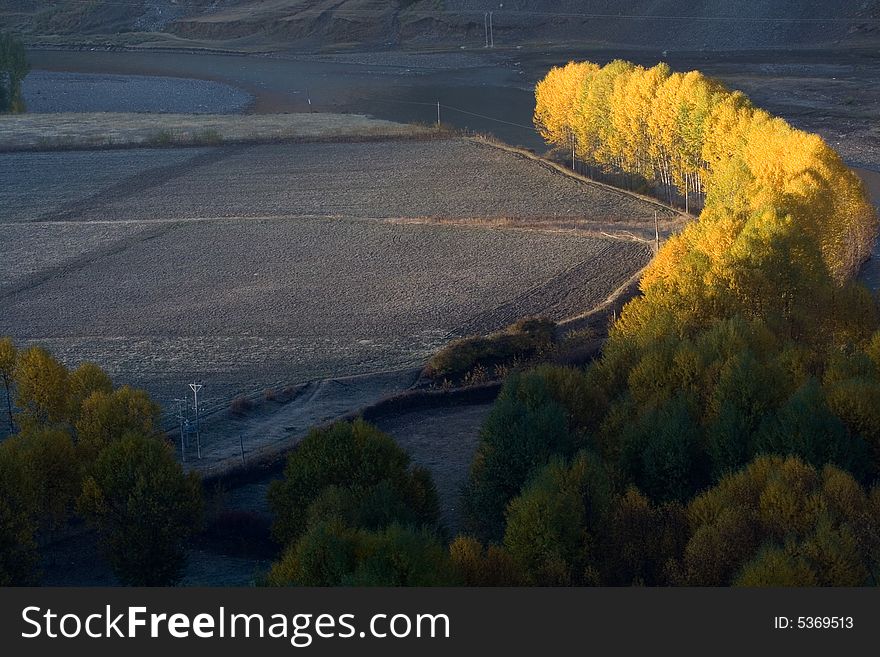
column 208, row 137
column 479, row 359
column 68, row 131
column 161, row 138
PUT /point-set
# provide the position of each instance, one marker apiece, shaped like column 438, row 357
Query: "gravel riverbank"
column 49, row 91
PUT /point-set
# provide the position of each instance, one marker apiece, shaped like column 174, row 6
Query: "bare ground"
column 267, row 266
column 443, row 440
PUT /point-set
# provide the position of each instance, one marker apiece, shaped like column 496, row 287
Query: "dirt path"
column 272, row 426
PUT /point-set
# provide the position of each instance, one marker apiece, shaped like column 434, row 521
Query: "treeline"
column 14, row 68
column 730, row 432
column 80, row 449
column 688, row 134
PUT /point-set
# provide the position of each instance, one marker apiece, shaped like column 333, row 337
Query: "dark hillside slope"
column 308, row 24
column 691, row 24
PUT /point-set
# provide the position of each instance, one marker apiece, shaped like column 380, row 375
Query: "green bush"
column 355, row 472
column 552, row 526
column 520, row 342
column 526, row 427
column 161, row 138
column 332, row 553
column 781, row 521
column 145, row 509
column 14, row 67
column 208, row 137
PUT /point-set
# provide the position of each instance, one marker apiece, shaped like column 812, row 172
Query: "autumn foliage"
column 80, row 449
column 686, row 133
column 730, row 433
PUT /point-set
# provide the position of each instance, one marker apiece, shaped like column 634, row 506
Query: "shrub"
column 145, row 509
column 208, row 137
column 14, row 67
column 578, row 346
column 161, row 138
column 241, row 405
column 525, row 428
column 333, row 554
column 551, row 526
column 778, row 521
column 370, row 473
column 524, row 340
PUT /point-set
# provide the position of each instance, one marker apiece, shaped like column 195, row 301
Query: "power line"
column 489, row 118
column 451, row 108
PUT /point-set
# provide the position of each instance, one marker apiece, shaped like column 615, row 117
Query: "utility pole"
column 241, row 448
column 486, row 28
column 195, row 388
column 438, row 114
column 491, row 32
column 180, row 403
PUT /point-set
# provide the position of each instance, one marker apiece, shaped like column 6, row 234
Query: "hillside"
column 311, row 24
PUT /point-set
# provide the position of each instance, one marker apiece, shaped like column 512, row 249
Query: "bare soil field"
column 323, row 272
column 263, row 266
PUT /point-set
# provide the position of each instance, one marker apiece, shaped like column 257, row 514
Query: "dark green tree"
column 18, row 520
column 664, row 452
column 805, row 427
column 145, row 509
column 527, row 426
column 355, row 473
column 330, row 553
column 14, row 68
column 8, row 358
column 552, row 526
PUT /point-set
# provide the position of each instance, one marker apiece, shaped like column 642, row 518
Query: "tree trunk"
column 9, row 404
